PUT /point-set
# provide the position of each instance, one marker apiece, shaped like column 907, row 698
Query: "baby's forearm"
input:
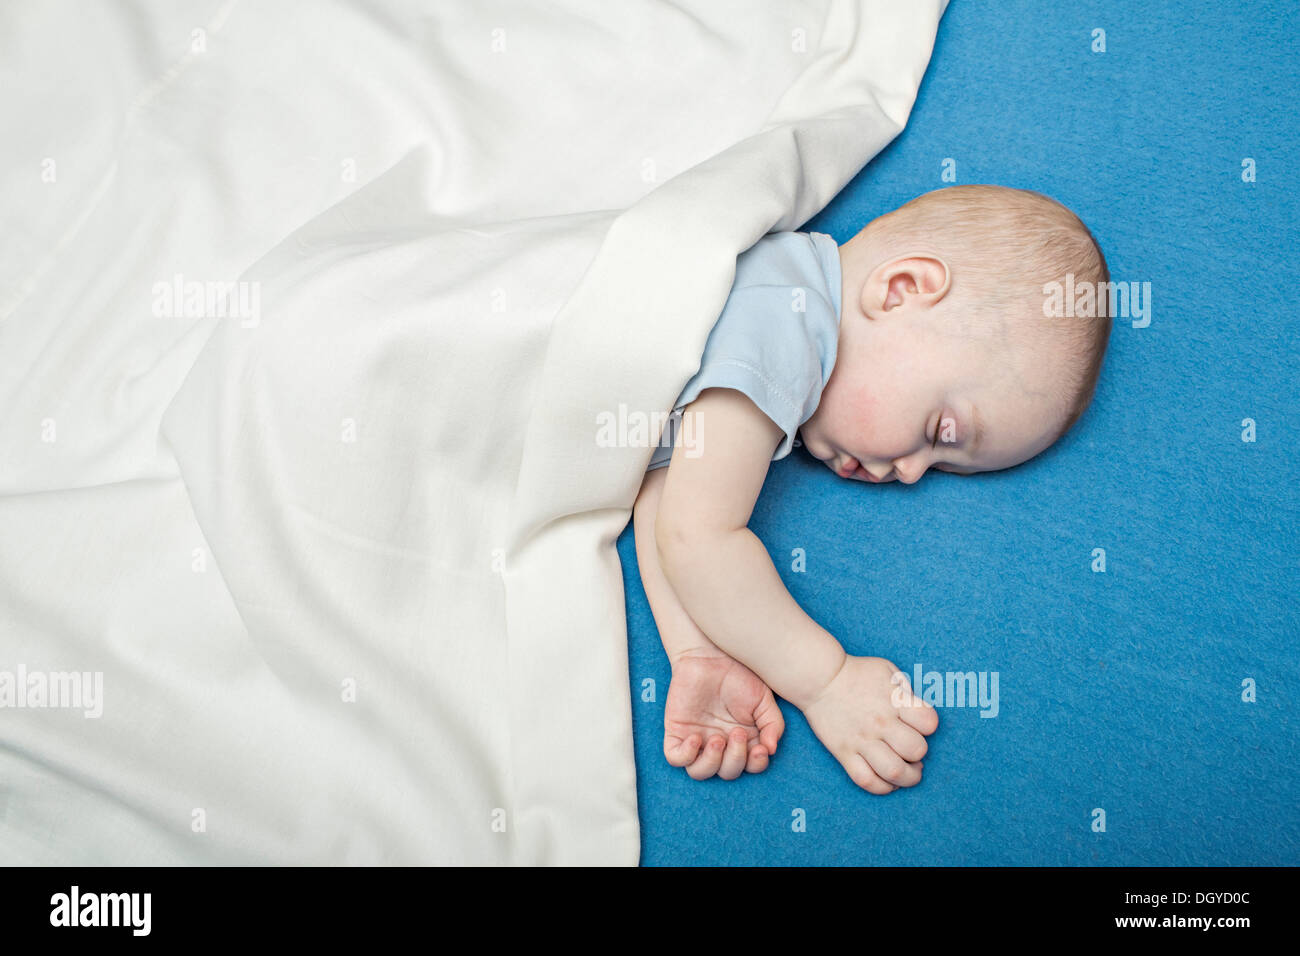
column 677, row 631
column 728, row 585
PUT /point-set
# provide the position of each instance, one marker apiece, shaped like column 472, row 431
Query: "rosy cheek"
column 861, row 411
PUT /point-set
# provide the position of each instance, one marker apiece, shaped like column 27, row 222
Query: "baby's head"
column 945, row 356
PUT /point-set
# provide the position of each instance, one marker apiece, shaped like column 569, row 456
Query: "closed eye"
column 938, row 430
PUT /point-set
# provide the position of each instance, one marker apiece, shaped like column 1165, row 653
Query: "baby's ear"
column 919, row 279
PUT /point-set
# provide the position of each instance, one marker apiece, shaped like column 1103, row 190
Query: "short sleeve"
column 776, row 337
column 763, row 345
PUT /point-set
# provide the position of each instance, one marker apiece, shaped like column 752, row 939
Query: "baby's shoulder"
column 780, row 259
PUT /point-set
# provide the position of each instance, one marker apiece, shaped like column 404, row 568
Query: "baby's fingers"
column 733, row 761
column 678, row 751
column 757, row 759
column 889, row 766
column 706, row 764
column 861, row 773
column 907, row 743
column 915, row 712
column 771, row 723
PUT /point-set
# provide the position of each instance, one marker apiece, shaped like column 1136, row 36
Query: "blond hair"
column 1003, row 246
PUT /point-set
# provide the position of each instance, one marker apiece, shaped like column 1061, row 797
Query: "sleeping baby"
column 923, row 342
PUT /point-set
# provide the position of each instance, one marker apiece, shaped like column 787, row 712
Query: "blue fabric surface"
column 1122, row 690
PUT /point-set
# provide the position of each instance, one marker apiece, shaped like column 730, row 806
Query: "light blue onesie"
column 776, row 337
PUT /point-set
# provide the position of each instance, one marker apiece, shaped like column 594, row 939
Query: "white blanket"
column 308, row 311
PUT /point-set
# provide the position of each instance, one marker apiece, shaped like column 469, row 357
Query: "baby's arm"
column 719, row 716
column 677, row 631
column 725, row 581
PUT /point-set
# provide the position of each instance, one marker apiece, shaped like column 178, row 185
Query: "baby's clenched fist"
column 869, row 719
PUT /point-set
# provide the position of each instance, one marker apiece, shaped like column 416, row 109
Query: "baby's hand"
column 873, row 724
column 719, row 717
